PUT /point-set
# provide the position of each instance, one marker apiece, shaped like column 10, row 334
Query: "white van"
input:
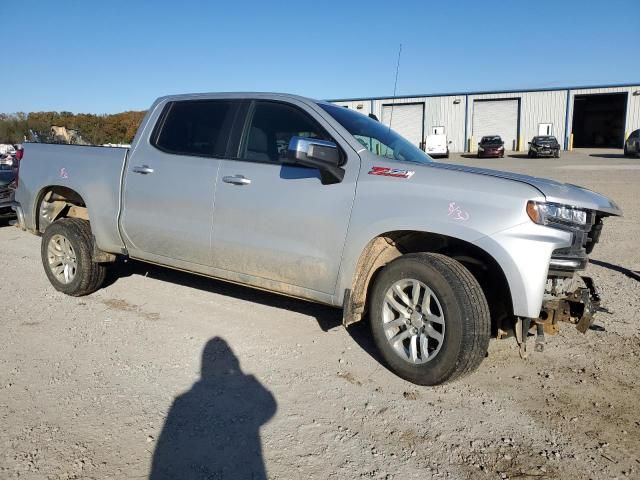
column 437, row 146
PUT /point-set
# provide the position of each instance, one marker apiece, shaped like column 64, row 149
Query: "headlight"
column 546, row 213
column 480, row 149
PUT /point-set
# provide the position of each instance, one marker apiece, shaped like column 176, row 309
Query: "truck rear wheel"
column 429, row 318
column 66, row 251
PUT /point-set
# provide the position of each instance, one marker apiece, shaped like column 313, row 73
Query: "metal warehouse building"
column 597, row 116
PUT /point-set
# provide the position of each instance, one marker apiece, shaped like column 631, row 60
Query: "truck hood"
column 556, row 192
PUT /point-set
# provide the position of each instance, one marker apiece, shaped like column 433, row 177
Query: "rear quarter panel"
column 93, row 172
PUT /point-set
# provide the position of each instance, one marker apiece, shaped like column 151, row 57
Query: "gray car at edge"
column 315, row 201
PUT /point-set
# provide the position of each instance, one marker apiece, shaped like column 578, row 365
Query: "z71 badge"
column 391, row 172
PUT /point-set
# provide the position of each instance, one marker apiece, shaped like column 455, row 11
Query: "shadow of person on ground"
column 213, row 430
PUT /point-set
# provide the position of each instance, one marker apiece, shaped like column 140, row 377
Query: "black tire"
column 89, row 275
column 625, row 151
column 557, row 154
column 465, row 310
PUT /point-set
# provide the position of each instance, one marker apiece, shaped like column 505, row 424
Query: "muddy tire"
column 66, row 252
column 429, row 318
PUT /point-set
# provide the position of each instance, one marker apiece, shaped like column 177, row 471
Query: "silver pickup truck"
column 316, row 201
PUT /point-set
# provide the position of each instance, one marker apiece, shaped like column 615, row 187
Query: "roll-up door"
column 407, row 120
column 496, row 117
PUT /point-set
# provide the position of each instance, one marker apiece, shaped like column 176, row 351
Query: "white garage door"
column 496, row 117
column 408, row 120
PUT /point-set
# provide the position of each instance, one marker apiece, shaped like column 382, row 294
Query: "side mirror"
column 450, row 141
column 320, row 154
column 529, row 143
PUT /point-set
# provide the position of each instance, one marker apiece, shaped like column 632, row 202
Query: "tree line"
column 94, row 129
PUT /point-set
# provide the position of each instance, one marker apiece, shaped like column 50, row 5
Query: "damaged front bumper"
column 574, row 300
column 577, row 306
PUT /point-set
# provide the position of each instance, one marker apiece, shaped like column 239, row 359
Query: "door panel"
column 169, row 212
column 545, row 129
column 170, row 182
column 282, row 223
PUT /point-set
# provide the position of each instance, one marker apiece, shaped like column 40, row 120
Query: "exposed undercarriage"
column 568, row 296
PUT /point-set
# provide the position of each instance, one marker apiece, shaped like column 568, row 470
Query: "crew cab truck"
column 315, row 201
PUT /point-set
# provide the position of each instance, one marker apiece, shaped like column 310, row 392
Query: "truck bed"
column 95, row 173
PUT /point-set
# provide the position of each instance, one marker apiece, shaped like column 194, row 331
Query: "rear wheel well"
column 390, row 245
column 56, row 202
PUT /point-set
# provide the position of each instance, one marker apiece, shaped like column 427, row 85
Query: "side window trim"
column 246, row 127
column 162, row 118
column 237, row 129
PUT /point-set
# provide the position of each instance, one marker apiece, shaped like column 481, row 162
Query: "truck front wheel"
column 429, row 318
column 66, row 250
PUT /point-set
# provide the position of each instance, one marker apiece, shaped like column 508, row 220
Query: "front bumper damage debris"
column 578, row 306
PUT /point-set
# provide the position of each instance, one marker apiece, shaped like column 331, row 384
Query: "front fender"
column 523, row 252
column 360, row 237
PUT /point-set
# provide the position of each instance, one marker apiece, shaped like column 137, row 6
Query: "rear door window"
column 195, row 127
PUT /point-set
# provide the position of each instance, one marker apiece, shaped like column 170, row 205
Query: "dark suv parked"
column 7, row 186
column 491, row 146
column 544, row 146
column 632, row 145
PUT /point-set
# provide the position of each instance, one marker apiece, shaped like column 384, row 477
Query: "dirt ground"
column 143, row 377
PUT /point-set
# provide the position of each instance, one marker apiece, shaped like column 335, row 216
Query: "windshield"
column 545, row 139
column 494, row 139
column 375, row 136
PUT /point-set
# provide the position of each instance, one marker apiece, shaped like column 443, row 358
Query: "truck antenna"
column 395, row 87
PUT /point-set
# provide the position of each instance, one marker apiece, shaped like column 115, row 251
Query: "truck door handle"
column 236, row 180
column 144, row 169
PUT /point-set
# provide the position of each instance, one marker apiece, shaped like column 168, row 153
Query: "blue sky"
column 112, row 55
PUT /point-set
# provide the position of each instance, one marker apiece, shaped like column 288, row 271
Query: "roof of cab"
column 235, row 95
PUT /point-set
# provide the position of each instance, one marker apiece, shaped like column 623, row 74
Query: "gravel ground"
column 143, row 377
